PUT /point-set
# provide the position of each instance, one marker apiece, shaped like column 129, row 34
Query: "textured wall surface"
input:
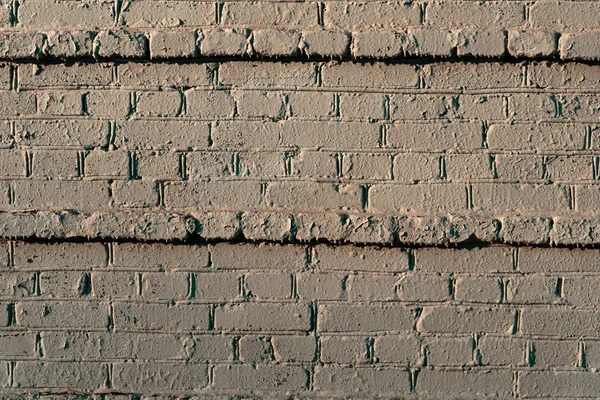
column 297, row 200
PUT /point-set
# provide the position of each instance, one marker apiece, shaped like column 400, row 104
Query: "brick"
column 56, row 255
column 498, row 198
column 557, row 260
column 73, row 75
column 143, row 134
column 175, row 44
column 268, row 285
column 420, row 198
column 316, row 286
column 401, row 349
column 65, row 44
column 160, row 317
column 473, row 75
column 371, row 287
column 138, row 377
column 63, row 284
column 564, row 15
column 492, row 14
column 294, row 348
column 367, row 166
column 88, row 345
column 343, row 349
column 567, row 75
column 423, row 287
column 262, row 377
column 261, row 164
column 532, row 107
column 459, row 319
column 135, row 193
column 65, row 133
column 329, row 134
column 559, row 384
column 259, row 103
column 212, row 347
column 267, row 15
column 469, row 167
column 263, row 317
column 275, row 42
column 312, row 104
column 313, row 196
column 79, row 195
column 315, row 164
column 160, row 255
column 543, row 136
column 486, row 107
column 107, row 163
column 245, row 135
column 257, row 74
column 325, row 43
column 371, row 317
column 223, row 42
column 449, row 351
column 430, row 42
column 108, row 103
column 164, row 75
column 48, row 314
column 12, row 163
column 337, row 258
column 17, row 345
column 363, row 76
column 153, row 165
column 156, row 285
column 580, row 291
column 5, row 317
column 479, row 289
column 503, row 351
column 14, row 103
column 431, row 137
column 60, row 103
column 255, row 349
column 548, row 353
column 569, row 168
column 564, row 323
column 359, row 16
column 217, row 285
column 56, row 164
column 374, row 380
column 5, row 15
column 209, row 104
column 17, row 284
column 213, row 195
column 591, row 352
column 362, row 105
column 40, row 14
column 159, row 104
column 481, row 43
column 409, row 106
column 76, row 375
column 209, row 164
column 377, row 44
column 164, row 14
column 261, row 256
column 532, row 44
column 519, row 168
column 416, row 167
column 480, row 383
column 120, row 44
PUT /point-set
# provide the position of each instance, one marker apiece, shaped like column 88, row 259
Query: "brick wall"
column 297, row 200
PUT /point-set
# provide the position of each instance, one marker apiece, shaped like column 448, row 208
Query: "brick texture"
column 299, row 199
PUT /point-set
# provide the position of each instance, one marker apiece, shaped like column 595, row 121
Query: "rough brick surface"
column 299, row 199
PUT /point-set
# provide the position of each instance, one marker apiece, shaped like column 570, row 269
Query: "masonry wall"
column 298, row 200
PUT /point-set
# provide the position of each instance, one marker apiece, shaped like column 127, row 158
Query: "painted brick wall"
column 297, row 200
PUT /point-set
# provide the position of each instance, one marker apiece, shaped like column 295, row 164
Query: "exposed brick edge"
column 274, row 43
column 300, row 228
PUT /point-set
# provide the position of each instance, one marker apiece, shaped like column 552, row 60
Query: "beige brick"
column 209, row 164
column 269, row 285
column 68, row 315
column 453, row 383
column 77, row 375
column 108, row 103
column 362, row 105
column 419, row 287
column 360, row 16
column 493, row 14
column 217, row 285
column 160, row 317
column 312, row 104
column 371, row 287
column 262, row 377
column 313, row 196
column 449, row 351
column 223, row 42
column 332, row 135
column 432, row 137
column 363, row 76
column 63, row 284
column 564, row 15
column 164, row 75
column 259, row 103
column 143, row 134
column 334, row 258
column 343, row 349
column 481, row 43
column 503, row 351
column 70, row 43
column 460, row 319
column 59, row 103
column 263, row 317
column 171, row 285
column 160, row 255
column 74, row 75
column 267, row 15
column 158, row 104
column 325, row 43
column 213, row 195
column 120, row 43
column 261, row 164
column 294, row 348
column 262, row 256
column 542, row 136
column 382, row 44
column 72, row 195
column 317, row 286
column 157, row 165
column 487, row 259
column 371, row 317
column 209, row 104
column 315, row 164
column 401, row 349
column 40, row 14
column 367, row 166
column 421, row 198
column 479, row 289
column 135, row 193
column 473, row 75
column 137, row 377
column 175, row 44
column 12, row 163
column 257, row 74
column 378, row 381
column 551, row 353
column 115, row 285
column 531, row 43
column 468, row 167
column 519, row 168
column 148, row 13
column 559, row 384
column 107, row 163
column 563, row 323
column 276, row 42
column 416, row 167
